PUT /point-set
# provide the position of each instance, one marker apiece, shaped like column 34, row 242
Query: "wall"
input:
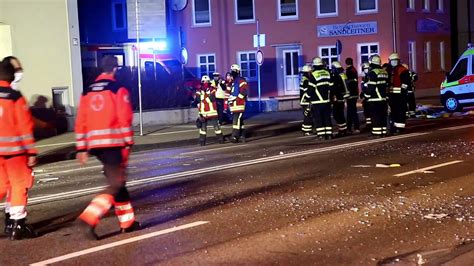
column 5, row 40
column 42, row 32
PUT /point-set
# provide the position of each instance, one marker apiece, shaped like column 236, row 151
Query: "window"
column 327, row 8
column 328, row 54
column 244, row 10
column 287, row 9
column 119, row 16
column 201, row 12
column 459, row 71
column 61, row 99
column 207, row 64
column 367, row 6
column 412, row 55
column 426, row 5
column 248, row 65
column 440, row 6
column 442, row 52
column 366, row 50
column 410, row 5
column 427, row 56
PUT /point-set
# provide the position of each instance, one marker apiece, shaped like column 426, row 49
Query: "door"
column 290, row 71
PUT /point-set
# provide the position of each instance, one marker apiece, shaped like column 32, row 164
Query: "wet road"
column 281, row 200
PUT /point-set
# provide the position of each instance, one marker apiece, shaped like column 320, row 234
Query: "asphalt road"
column 286, row 200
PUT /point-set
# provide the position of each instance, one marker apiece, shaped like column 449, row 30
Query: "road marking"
column 118, row 243
column 133, row 183
column 55, row 144
column 427, row 168
column 458, row 127
column 173, row 132
column 295, row 122
column 69, row 171
column 216, row 149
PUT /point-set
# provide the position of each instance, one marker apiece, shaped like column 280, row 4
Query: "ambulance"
column 457, row 90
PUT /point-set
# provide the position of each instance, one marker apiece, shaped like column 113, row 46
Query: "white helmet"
column 394, row 56
column 336, row 64
column 375, row 59
column 317, row 61
column 365, row 65
column 235, row 68
column 306, row 68
column 205, row 79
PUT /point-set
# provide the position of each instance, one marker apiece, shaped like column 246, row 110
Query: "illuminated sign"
column 348, row 29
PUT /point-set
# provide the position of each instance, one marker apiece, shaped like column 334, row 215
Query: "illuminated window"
column 287, row 9
column 244, row 11
column 206, row 64
column 201, row 12
column 248, row 65
column 327, row 8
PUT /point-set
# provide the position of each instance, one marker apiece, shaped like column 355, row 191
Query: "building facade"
column 219, row 33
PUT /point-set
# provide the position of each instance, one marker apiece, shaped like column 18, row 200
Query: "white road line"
column 118, row 243
column 132, row 183
column 173, row 132
column 69, row 171
column 458, row 127
column 55, row 144
column 216, row 149
column 427, row 168
column 295, row 122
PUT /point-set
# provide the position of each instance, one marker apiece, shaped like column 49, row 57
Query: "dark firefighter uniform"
column 376, row 96
column 104, row 129
column 363, row 92
column 207, row 106
column 352, row 86
column 397, row 97
column 306, row 96
column 411, row 95
column 322, row 103
column 237, row 101
column 339, row 94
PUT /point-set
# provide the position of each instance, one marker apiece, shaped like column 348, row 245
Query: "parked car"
column 457, row 90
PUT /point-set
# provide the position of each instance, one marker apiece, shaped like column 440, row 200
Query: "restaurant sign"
column 348, row 29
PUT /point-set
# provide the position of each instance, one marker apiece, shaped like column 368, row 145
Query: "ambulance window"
column 459, row 71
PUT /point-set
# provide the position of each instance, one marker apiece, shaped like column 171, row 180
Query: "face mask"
column 394, row 63
column 18, row 78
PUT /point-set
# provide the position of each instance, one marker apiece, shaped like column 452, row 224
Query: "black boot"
column 21, row 230
column 220, row 138
column 8, row 225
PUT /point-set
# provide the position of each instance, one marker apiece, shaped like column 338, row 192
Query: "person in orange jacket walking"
column 104, row 129
column 17, row 155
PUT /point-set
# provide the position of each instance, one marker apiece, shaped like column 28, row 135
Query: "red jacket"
column 16, row 123
column 104, row 117
column 207, row 102
column 239, row 94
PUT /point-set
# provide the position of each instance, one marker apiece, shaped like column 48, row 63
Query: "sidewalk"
column 62, row 147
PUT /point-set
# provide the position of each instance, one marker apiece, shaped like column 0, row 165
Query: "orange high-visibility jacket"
column 16, row 123
column 104, row 117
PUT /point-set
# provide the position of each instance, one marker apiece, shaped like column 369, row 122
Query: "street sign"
column 259, row 57
column 184, row 56
column 256, row 40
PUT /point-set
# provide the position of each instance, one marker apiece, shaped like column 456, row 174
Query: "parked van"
column 457, row 90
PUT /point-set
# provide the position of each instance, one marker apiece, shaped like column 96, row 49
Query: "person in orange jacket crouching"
column 104, row 129
column 17, row 155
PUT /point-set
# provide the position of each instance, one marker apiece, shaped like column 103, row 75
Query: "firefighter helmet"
column 365, row 65
column 317, row 61
column 235, row 68
column 375, row 59
column 394, row 56
column 205, row 79
column 306, row 68
column 336, row 64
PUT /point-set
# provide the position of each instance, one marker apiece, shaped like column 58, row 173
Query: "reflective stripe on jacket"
column 207, row 106
column 104, row 117
column 322, row 86
column 377, row 85
column 240, row 91
column 16, row 123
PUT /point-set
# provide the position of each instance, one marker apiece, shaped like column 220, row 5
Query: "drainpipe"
column 394, row 27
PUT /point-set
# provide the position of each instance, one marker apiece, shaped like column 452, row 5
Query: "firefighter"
column 352, row 86
column 377, row 83
column 339, row 94
column 207, row 106
column 219, row 84
column 321, row 104
column 363, row 91
column 237, row 101
column 411, row 93
column 104, row 129
column 397, row 95
column 17, row 155
column 306, row 96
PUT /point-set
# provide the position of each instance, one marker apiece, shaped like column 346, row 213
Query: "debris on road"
column 434, row 216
